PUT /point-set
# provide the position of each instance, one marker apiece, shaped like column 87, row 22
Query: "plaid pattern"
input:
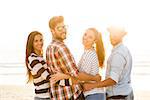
column 59, row 59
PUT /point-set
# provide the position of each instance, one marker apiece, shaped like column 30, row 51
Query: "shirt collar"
column 34, row 54
column 117, row 46
column 87, row 50
column 55, row 40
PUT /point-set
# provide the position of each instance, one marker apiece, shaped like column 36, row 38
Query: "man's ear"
column 52, row 30
column 125, row 33
column 108, row 29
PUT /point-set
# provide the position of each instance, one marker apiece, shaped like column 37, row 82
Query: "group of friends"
column 60, row 78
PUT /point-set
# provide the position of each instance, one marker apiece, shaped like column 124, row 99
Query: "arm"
column 70, row 65
column 117, row 64
column 40, row 69
column 89, row 65
column 58, row 76
column 82, row 76
column 105, row 83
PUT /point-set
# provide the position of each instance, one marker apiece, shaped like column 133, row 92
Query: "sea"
column 15, row 73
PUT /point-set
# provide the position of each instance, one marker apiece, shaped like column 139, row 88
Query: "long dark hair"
column 29, row 50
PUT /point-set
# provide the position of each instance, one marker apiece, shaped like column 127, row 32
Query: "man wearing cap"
column 119, row 65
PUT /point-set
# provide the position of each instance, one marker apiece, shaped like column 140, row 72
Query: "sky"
column 19, row 17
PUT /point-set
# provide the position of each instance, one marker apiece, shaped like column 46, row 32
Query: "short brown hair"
column 55, row 20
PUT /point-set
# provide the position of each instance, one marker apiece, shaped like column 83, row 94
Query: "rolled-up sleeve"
column 117, row 64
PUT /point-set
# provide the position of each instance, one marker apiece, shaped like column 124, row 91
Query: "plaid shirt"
column 59, row 59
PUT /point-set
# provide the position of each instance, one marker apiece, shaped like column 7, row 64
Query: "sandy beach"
column 13, row 83
column 18, row 92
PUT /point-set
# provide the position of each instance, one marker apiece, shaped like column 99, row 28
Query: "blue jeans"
column 37, row 98
column 97, row 96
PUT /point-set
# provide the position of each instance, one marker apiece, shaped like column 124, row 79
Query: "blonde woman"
column 91, row 60
column 119, row 67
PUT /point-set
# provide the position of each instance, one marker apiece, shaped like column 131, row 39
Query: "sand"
column 14, row 92
column 26, row 92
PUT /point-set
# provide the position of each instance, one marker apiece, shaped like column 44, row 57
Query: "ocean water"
column 15, row 73
column 12, row 74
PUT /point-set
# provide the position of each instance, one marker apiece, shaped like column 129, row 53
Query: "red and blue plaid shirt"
column 59, row 59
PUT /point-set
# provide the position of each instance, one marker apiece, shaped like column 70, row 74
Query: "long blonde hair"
column 99, row 47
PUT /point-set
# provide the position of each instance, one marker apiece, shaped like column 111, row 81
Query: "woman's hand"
column 97, row 78
column 58, row 76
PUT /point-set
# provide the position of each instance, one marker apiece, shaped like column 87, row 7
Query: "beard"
column 61, row 38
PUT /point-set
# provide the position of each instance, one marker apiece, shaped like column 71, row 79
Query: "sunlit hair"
column 117, row 30
column 29, row 50
column 55, row 20
column 99, row 47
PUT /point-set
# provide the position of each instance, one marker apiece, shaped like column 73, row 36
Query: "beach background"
column 13, row 80
column 18, row 18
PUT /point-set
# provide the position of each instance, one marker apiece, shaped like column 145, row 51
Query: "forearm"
column 85, row 77
column 81, row 77
column 72, row 79
column 105, row 83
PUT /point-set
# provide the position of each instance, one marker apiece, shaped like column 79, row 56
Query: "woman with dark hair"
column 37, row 70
